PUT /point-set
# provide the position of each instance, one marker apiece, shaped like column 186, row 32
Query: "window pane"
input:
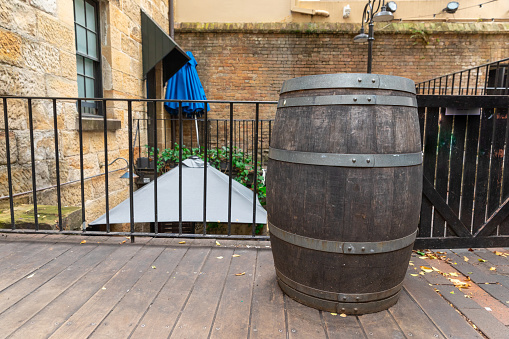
column 79, row 64
column 89, row 88
column 90, row 16
column 81, row 86
column 92, row 44
column 81, row 40
column 79, row 12
column 89, row 68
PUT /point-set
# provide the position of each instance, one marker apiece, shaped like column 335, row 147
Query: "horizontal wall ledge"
column 322, row 27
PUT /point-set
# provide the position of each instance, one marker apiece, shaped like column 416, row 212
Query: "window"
column 88, row 53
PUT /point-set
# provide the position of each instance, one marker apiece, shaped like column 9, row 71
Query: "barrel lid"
column 349, row 80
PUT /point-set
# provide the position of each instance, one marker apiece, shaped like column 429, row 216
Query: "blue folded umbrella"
column 186, row 85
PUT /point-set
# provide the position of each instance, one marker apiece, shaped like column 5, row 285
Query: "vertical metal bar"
column 506, row 75
column 131, row 171
column 8, row 156
column 181, row 138
column 468, row 81
column 57, row 165
column 429, row 86
column 434, row 85
column 205, row 159
column 461, row 78
column 452, row 85
column 139, row 139
column 270, row 131
column 230, row 170
column 440, row 86
column 261, row 143
column 217, row 136
column 477, row 80
column 446, row 82
column 370, row 45
column 486, row 79
column 32, row 158
column 164, row 126
column 106, row 177
column 255, row 180
column 156, row 151
column 82, row 174
column 497, row 77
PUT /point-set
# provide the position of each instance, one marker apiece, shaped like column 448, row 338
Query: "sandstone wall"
column 38, row 59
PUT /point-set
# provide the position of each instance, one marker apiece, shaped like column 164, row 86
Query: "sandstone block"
column 65, row 11
column 68, row 65
column 21, row 179
column 132, row 10
column 17, row 81
column 132, row 85
column 119, row 20
column 10, row 48
column 49, row 6
column 55, row 33
column 13, row 147
column 60, row 87
column 42, row 58
column 107, row 74
column 16, row 112
column 131, row 47
column 119, row 60
column 18, row 17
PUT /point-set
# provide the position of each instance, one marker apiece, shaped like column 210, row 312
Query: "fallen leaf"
column 423, row 257
column 217, row 243
column 411, row 264
column 153, row 267
column 239, row 274
column 454, row 274
column 219, row 257
column 103, row 288
column 465, row 258
column 452, row 292
column 493, row 268
column 421, row 273
column 123, row 242
column 342, row 315
column 420, row 253
column 31, row 275
column 481, row 260
column 414, row 275
column 426, row 269
column 83, row 242
column 468, row 296
column 334, row 313
column 435, row 269
column 498, row 253
column 236, row 255
column 182, row 242
column 470, row 250
column 488, row 309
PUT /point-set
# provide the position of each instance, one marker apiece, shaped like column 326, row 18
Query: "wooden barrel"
column 344, row 182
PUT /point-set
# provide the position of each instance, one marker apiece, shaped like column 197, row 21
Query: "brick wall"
column 251, row 61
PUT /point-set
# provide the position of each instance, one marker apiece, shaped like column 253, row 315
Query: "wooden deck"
column 55, row 286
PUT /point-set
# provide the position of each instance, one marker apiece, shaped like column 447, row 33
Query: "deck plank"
column 267, row 308
column 232, row 318
column 163, row 313
column 445, row 318
column 82, row 323
column 412, row 320
column 487, row 323
column 303, row 321
column 371, row 325
column 44, row 323
column 15, row 316
column 18, row 290
column 346, row 328
column 198, row 314
column 19, row 267
column 126, row 314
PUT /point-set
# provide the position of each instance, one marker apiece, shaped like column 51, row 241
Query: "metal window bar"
column 131, row 171
column 82, row 173
column 106, row 186
column 8, row 156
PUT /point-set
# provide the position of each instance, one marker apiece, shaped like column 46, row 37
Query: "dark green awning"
column 156, row 46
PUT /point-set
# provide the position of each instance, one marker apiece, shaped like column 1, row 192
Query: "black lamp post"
column 374, row 11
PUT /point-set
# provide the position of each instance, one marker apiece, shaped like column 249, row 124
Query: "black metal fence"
column 488, row 79
column 244, row 136
column 21, row 109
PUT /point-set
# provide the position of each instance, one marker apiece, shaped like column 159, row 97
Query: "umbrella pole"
column 197, row 134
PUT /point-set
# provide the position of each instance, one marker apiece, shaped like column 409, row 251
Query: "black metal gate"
column 466, row 171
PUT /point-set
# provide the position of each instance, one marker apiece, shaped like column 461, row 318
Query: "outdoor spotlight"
column 391, row 6
column 361, row 37
column 383, row 15
column 452, row 7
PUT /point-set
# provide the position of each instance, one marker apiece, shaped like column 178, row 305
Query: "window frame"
column 90, row 108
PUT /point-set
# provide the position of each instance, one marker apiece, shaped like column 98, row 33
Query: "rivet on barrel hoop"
column 359, row 79
column 354, row 161
column 284, row 102
column 354, row 99
column 369, row 98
